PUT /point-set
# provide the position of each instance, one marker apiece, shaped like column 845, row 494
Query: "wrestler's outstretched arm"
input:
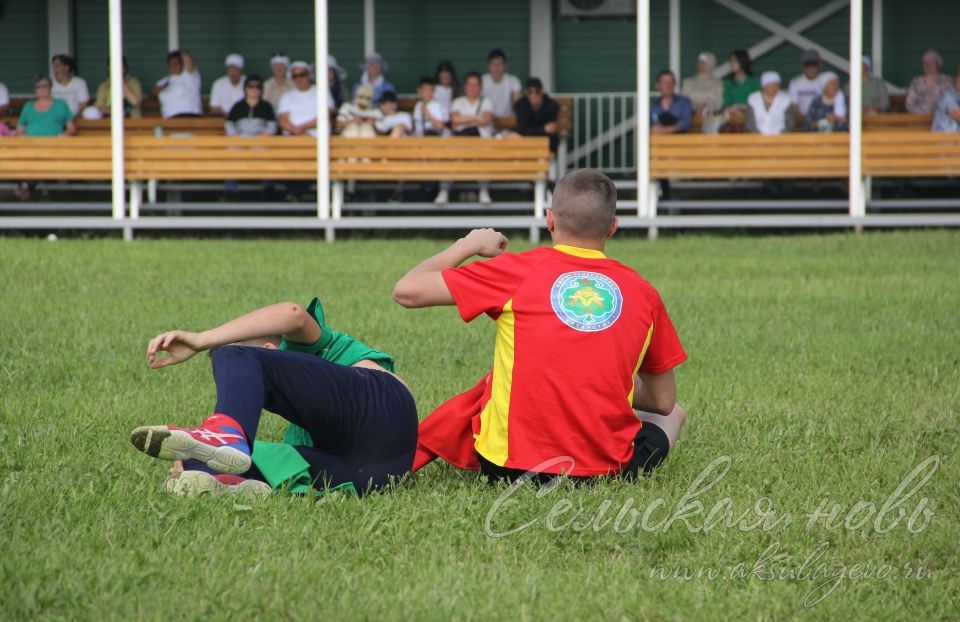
column 423, row 285
column 287, row 319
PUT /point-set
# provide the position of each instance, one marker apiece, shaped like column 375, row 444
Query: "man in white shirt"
column 67, row 85
column 501, row 88
column 297, row 112
column 228, row 90
column 4, row 99
column 808, row 85
column 179, row 92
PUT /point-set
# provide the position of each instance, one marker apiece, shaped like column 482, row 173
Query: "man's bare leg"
column 670, row 424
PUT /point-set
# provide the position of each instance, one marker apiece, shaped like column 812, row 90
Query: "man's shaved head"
column 585, row 204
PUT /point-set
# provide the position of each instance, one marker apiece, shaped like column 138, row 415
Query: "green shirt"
column 737, row 92
column 280, row 463
column 51, row 122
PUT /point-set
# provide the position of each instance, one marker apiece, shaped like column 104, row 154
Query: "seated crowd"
column 286, row 102
column 813, row 101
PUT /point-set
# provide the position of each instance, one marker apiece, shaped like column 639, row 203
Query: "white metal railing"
column 601, row 135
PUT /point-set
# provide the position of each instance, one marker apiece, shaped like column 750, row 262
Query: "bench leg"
column 337, row 199
column 653, row 232
column 539, row 192
column 152, row 191
column 136, row 195
column 562, row 158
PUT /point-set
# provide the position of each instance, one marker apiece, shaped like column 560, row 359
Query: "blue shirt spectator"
column 374, row 67
column 670, row 113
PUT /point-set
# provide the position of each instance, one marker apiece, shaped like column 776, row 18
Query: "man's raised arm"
column 423, row 285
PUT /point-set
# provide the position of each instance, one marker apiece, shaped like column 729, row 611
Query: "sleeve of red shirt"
column 485, row 286
column 664, row 352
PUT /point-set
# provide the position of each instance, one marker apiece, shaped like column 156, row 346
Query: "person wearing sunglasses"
column 251, row 116
column 43, row 116
column 297, row 112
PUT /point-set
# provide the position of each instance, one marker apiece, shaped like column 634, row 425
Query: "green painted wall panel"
column 23, row 44
column 596, row 54
column 414, row 35
column 211, row 29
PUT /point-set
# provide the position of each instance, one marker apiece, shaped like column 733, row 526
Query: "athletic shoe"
column 442, row 197
column 194, row 483
column 219, row 443
column 485, row 196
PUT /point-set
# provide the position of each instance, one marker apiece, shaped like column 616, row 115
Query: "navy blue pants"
column 363, row 422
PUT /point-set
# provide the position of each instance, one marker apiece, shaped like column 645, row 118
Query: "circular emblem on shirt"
column 586, row 301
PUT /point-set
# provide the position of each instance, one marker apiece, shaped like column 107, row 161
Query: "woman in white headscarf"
column 704, row 89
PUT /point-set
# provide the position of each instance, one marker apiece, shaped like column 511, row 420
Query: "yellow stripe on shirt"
column 491, row 443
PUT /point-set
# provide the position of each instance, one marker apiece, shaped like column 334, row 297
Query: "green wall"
column 23, row 44
column 596, row 54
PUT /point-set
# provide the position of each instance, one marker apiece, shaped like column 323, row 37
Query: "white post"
column 116, row 107
column 643, row 107
column 857, row 206
column 541, row 42
column 876, row 43
column 675, row 62
column 369, row 27
column 173, row 25
column 59, row 27
column 323, row 111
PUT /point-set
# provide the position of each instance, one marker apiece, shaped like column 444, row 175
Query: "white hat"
column 332, row 64
column 374, row 57
column 868, row 63
column 701, row 58
column 769, row 77
column 280, row 59
column 299, row 64
column 91, row 113
column 233, row 60
column 826, row 76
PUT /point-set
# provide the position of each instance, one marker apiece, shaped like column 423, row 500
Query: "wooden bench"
column 440, row 159
column 897, row 121
column 911, row 154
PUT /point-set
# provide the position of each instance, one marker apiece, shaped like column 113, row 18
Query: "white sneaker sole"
column 194, row 483
column 165, row 444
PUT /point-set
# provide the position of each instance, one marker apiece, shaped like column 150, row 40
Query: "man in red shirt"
column 582, row 342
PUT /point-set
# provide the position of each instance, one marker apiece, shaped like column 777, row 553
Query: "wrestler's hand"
column 486, row 242
column 179, row 346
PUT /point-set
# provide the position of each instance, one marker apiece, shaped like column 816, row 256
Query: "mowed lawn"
column 823, row 371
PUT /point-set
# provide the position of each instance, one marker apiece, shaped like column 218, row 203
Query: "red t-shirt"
column 573, row 328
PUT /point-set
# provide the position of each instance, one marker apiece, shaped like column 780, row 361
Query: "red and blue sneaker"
column 219, row 442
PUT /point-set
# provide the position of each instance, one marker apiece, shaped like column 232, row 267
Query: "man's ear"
column 269, row 345
column 551, row 221
column 613, row 227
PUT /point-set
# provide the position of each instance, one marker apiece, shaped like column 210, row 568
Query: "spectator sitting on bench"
column 500, row 87
column 770, row 111
column 4, row 100
column 537, row 113
column 43, row 116
column 393, row 122
column 335, row 77
column 228, row 90
column 670, row 113
column 808, row 85
column 297, row 116
column 279, row 83
column 925, row 91
column 946, row 117
column 448, row 87
column 472, row 115
column 430, row 118
column 179, row 92
column 828, row 111
column 357, row 119
column 132, row 93
column 876, row 98
column 704, row 90
column 251, row 116
column 374, row 67
column 737, row 87
column 67, row 85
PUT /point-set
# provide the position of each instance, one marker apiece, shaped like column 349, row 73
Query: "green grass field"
column 823, row 370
